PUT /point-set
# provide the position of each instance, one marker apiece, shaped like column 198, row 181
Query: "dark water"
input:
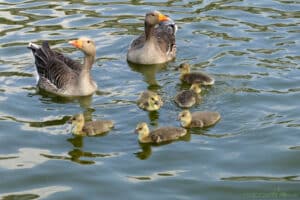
column 250, row 47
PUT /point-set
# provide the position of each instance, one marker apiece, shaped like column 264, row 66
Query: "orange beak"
column 76, row 43
column 162, row 17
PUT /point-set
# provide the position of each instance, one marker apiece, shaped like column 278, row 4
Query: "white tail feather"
column 35, row 46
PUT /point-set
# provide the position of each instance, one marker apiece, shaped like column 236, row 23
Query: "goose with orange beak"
column 62, row 75
column 157, row 44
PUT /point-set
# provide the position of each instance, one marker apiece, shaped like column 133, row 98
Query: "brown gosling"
column 159, row 135
column 149, row 101
column 80, row 127
column 194, row 77
column 198, row 119
column 188, row 98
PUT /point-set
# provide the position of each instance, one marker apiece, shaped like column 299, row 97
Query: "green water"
column 250, row 47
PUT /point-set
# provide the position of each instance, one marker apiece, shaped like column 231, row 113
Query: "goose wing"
column 53, row 68
column 165, row 34
column 73, row 64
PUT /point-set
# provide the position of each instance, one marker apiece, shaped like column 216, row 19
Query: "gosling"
column 80, row 127
column 188, row 98
column 194, row 77
column 198, row 119
column 159, row 135
column 149, row 101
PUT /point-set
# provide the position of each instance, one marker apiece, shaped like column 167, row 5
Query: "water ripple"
column 250, row 47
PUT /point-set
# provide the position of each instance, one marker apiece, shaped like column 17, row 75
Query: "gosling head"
column 185, row 118
column 155, row 17
column 77, row 122
column 184, row 68
column 196, row 88
column 142, row 129
column 154, row 102
column 85, row 44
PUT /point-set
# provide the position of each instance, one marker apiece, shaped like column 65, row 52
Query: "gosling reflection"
column 145, row 153
column 149, row 73
column 153, row 117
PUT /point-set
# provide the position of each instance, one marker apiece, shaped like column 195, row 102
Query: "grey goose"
column 157, row 43
column 60, row 74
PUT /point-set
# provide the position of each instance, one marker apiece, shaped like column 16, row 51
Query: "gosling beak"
column 162, row 17
column 178, row 117
column 156, row 103
column 136, row 131
column 76, row 43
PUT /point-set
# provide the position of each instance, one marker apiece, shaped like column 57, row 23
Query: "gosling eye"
column 152, row 98
column 88, row 41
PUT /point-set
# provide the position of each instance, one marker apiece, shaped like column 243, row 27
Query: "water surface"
column 250, row 47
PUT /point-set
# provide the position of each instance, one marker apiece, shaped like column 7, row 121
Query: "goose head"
column 85, row 44
column 155, row 17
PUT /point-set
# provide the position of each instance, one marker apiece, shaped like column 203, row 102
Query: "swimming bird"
column 80, row 127
column 149, row 101
column 194, row 77
column 157, row 43
column 159, row 135
column 61, row 75
column 188, row 98
column 198, row 119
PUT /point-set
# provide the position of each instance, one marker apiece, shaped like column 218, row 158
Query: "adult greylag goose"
column 149, row 101
column 157, row 44
column 159, row 135
column 80, row 127
column 194, row 77
column 61, row 75
column 188, row 98
column 198, row 119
